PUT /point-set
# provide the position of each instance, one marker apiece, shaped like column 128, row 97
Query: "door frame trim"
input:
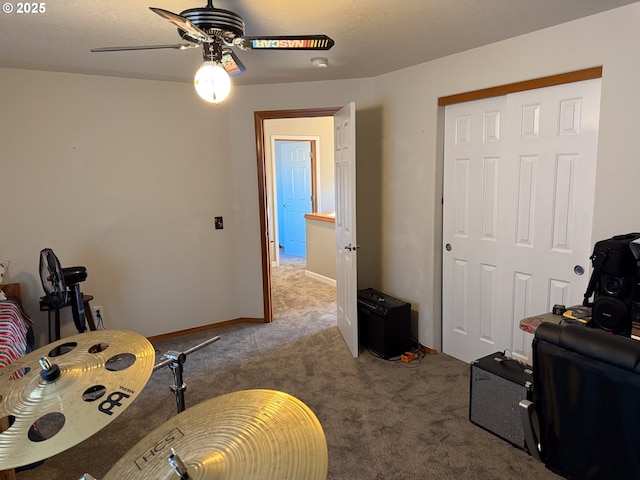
column 259, row 117
column 550, row 81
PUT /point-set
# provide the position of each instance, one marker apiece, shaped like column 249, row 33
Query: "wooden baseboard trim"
column 320, row 278
column 203, row 328
column 427, row 350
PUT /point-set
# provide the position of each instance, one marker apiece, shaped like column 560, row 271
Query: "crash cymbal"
column 69, row 389
column 250, row 434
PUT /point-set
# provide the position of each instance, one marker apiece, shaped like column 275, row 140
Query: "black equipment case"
column 615, row 283
column 384, row 323
column 498, row 384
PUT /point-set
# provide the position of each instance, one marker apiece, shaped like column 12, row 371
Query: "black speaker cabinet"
column 384, row 323
column 498, row 384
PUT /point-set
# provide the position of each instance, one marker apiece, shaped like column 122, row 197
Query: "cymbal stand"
column 176, row 360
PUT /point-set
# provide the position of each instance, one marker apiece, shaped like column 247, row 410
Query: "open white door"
column 344, row 125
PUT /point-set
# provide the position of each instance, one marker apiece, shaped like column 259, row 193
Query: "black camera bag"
column 613, row 282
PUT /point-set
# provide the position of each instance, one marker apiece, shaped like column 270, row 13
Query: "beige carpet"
column 382, row 420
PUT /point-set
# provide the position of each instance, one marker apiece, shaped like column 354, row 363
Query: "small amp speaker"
column 498, row 384
column 384, row 323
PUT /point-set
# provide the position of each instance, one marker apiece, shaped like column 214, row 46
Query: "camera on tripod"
column 615, row 284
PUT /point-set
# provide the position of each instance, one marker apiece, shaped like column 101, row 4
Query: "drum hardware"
column 178, row 465
column 69, row 390
column 50, row 372
column 176, row 360
column 276, row 431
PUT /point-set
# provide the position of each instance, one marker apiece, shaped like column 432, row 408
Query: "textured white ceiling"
column 371, row 37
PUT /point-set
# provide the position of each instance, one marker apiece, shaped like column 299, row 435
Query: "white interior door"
column 293, row 178
column 346, row 266
column 519, row 180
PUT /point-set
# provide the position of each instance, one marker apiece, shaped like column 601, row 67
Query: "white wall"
column 125, row 176
column 412, row 190
column 321, row 249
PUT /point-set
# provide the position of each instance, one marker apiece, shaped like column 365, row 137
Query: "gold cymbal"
column 87, row 381
column 250, row 434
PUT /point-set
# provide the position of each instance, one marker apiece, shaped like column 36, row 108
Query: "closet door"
column 519, row 177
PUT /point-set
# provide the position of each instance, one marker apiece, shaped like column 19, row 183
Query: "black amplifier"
column 498, row 384
column 384, row 323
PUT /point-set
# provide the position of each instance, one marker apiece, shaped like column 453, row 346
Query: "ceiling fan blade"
column 183, row 24
column 287, row 42
column 179, row 46
column 232, row 63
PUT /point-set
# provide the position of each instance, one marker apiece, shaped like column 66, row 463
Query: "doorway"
column 266, row 222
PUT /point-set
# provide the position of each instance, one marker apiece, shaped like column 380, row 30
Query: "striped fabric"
column 14, row 326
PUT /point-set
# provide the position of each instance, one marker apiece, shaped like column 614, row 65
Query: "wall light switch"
column 218, row 223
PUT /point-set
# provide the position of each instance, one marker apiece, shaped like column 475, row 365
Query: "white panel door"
column 346, row 244
column 474, row 153
column 519, row 181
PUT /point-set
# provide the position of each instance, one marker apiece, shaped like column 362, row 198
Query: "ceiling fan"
column 218, row 31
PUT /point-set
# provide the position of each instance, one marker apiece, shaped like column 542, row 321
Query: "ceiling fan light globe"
column 212, row 82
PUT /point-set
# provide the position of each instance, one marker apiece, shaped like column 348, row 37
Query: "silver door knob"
column 448, row 247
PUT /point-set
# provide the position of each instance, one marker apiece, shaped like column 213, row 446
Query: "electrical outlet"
column 98, row 314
